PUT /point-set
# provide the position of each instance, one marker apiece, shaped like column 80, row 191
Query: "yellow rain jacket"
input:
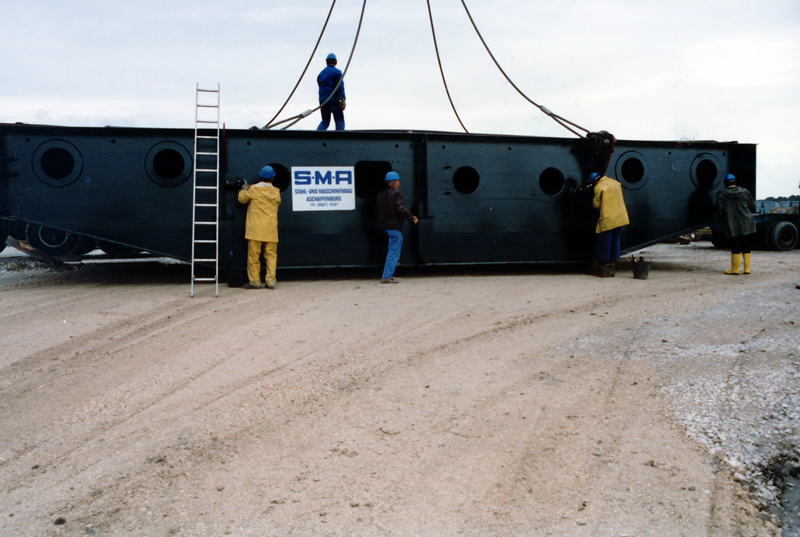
column 608, row 200
column 262, row 211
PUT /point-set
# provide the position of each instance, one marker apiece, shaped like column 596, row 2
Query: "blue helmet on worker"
column 266, row 172
column 331, row 57
column 730, row 179
column 392, row 176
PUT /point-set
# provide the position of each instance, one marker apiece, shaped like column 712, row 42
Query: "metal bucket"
column 641, row 266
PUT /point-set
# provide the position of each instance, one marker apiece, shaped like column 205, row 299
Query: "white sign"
column 329, row 188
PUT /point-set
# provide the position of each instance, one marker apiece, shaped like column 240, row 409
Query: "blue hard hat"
column 331, row 56
column 266, row 172
column 392, row 176
column 593, row 177
column 730, row 178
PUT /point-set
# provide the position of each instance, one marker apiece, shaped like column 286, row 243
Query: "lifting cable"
column 441, row 70
column 294, row 119
column 341, row 79
column 269, row 123
column 558, row 119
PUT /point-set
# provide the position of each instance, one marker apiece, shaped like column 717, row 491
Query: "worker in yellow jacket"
column 261, row 228
column 609, row 202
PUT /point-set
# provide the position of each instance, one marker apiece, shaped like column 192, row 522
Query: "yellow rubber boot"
column 746, row 263
column 734, row 265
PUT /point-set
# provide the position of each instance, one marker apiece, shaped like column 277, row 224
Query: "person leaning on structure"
column 327, row 80
column 736, row 206
column 389, row 214
column 261, row 228
column 609, row 202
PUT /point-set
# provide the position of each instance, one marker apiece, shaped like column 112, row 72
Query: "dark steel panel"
column 481, row 198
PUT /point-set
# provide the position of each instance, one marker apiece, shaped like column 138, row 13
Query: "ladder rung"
column 208, row 90
column 206, row 187
column 207, row 106
column 207, row 121
column 205, row 223
column 205, row 204
column 205, row 170
column 205, row 279
column 207, row 137
column 207, row 260
column 204, row 241
column 206, row 153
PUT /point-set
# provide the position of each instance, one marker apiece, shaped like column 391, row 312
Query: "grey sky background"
column 641, row 69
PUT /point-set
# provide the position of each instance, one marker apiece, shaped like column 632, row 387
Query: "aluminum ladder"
column 205, row 191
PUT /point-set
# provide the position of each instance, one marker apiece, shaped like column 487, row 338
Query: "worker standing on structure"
column 389, row 214
column 331, row 103
column 736, row 206
column 609, row 202
column 261, row 228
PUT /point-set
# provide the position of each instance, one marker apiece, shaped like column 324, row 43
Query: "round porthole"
column 168, row 164
column 57, row 163
column 551, row 181
column 466, row 179
column 282, row 178
column 631, row 170
column 706, row 171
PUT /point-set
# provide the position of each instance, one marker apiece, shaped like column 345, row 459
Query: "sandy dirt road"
column 475, row 403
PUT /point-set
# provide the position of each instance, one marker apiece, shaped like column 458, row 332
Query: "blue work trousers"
column 338, row 116
column 608, row 245
column 393, row 252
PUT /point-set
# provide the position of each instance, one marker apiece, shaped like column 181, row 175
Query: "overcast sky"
column 648, row 70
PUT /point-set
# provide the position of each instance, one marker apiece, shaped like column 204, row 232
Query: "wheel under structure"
column 51, row 241
column 782, row 236
column 85, row 245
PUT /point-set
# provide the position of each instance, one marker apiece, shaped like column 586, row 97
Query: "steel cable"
column 269, row 123
column 341, row 80
column 558, row 119
column 441, row 69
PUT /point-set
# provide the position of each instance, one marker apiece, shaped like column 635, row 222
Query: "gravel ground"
column 477, row 402
column 740, row 397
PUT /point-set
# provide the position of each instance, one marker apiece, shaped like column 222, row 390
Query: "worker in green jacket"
column 261, row 228
column 736, row 206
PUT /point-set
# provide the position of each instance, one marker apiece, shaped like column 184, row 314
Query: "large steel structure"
column 480, row 198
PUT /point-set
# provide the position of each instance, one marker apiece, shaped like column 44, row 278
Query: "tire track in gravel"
column 133, row 331
column 84, row 349
column 331, row 401
column 33, row 385
column 417, row 327
column 444, row 348
column 359, row 375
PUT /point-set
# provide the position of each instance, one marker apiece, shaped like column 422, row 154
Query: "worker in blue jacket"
column 327, row 82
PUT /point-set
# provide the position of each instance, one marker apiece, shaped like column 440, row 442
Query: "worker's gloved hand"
column 237, row 184
column 342, row 103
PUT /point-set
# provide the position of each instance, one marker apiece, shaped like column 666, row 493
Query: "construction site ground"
column 500, row 401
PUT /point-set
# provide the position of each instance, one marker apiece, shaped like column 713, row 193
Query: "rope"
column 341, row 80
column 558, row 119
column 269, row 123
column 441, row 70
